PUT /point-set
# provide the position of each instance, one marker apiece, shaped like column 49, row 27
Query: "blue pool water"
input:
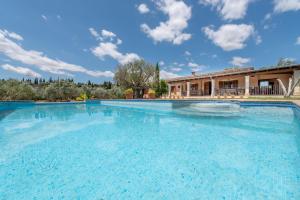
column 93, row 151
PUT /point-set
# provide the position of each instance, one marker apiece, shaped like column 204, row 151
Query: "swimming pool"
column 97, row 151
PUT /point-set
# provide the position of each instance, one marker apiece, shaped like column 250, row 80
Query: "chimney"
column 193, row 73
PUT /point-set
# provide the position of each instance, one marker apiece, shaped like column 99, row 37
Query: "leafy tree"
column 52, row 92
column 163, row 87
column 16, row 90
column 61, row 90
column 101, row 93
column 285, row 62
column 116, row 92
column 137, row 75
column 25, row 92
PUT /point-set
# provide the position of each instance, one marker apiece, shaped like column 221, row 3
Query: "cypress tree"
column 157, row 81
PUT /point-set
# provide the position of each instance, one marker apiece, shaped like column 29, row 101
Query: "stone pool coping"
column 253, row 101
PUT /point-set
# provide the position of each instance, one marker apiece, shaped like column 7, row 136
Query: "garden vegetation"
column 137, row 77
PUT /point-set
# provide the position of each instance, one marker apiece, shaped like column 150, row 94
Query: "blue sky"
column 86, row 40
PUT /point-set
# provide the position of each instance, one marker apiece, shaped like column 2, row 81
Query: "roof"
column 232, row 71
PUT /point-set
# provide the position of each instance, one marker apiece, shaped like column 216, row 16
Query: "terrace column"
column 247, row 85
column 296, row 86
column 169, row 90
column 290, row 86
column 188, row 87
column 282, row 87
column 180, row 90
column 213, row 86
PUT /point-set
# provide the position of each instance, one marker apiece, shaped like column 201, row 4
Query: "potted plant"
column 128, row 93
column 151, row 94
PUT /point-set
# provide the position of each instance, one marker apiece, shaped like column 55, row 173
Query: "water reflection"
column 32, row 125
column 5, row 113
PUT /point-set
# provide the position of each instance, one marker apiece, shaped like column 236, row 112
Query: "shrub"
column 116, row 92
column 101, row 93
column 150, row 91
column 56, row 90
column 128, row 91
column 151, row 94
column 52, row 92
column 25, row 92
column 15, row 90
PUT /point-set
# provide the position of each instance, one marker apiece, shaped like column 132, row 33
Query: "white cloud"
column 281, row 6
column 58, row 17
column 229, row 9
column 11, row 35
column 143, row 8
column 178, row 64
column 190, row 64
column 176, row 69
column 195, row 67
column 21, row 70
column 30, row 57
column 268, row 16
column 298, row 41
column 171, row 30
column 258, row 39
column 187, row 53
column 44, row 17
column 167, row 75
column 110, row 48
column 94, row 33
column 231, row 36
column 107, row 34
column 239, row 61
column 161, row 63
column 119, row 41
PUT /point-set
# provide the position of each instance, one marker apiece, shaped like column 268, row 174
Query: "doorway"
column 207, row 88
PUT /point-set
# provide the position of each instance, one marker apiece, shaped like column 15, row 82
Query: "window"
column 266, row 83
column 263, row 83
column 228, row 84
column 194, row 87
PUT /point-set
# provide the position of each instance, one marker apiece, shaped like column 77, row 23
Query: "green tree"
column 101, row 93
column 61, row 90
column 16, row 90
column 116, row 92
column 55, row 90
column 137, row 75
column 285, row 62
column 107, row 85
column 157, row 81
column 163, row 87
